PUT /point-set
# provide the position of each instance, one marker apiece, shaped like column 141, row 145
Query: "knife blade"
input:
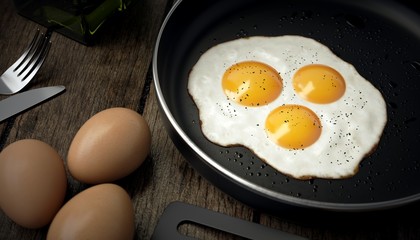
column 22, row 101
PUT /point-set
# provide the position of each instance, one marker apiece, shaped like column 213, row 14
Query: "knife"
column 25, row 100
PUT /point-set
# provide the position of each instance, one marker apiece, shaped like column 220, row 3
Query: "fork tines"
column 33, row 57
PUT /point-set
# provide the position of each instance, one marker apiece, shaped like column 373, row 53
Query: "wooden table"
column 116, row 72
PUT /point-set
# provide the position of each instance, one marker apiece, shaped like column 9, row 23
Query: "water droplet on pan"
column 355, row 21
column 393, row 84
column 415, row 65
column 392, row 105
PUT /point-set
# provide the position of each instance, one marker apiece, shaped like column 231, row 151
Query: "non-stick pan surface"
column 380, row 38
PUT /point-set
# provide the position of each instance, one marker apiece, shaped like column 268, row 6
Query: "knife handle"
column 177, row 213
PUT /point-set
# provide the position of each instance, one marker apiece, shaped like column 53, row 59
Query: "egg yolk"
column 293, row 126
column 252, row 83
column 318, row 83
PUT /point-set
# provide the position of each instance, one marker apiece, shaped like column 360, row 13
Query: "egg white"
column 351, row 126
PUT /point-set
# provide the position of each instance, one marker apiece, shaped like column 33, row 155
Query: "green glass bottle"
column 77, row 19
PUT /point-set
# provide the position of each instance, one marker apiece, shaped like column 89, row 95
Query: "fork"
column 24, row 69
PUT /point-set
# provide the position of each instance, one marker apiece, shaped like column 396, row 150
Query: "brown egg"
column 104, row 211
column 110, row 145
column 33, row 182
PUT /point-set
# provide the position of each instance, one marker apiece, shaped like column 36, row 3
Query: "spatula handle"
column 177, row 213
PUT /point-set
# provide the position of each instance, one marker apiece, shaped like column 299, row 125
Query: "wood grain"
column 116, row 71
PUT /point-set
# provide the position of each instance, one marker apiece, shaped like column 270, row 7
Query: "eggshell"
column 110, row 145
column 104, row 211
column 33, row 182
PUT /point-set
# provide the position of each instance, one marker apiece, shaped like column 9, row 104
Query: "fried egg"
column 291, row 101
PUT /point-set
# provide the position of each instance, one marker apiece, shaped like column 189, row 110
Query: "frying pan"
column 380, row 38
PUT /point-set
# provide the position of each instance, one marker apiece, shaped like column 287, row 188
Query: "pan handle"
column 177, row 213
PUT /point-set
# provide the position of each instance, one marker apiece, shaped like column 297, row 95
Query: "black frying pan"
column 380, row 38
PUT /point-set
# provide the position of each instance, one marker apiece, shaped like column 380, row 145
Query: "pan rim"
column 243, row 183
